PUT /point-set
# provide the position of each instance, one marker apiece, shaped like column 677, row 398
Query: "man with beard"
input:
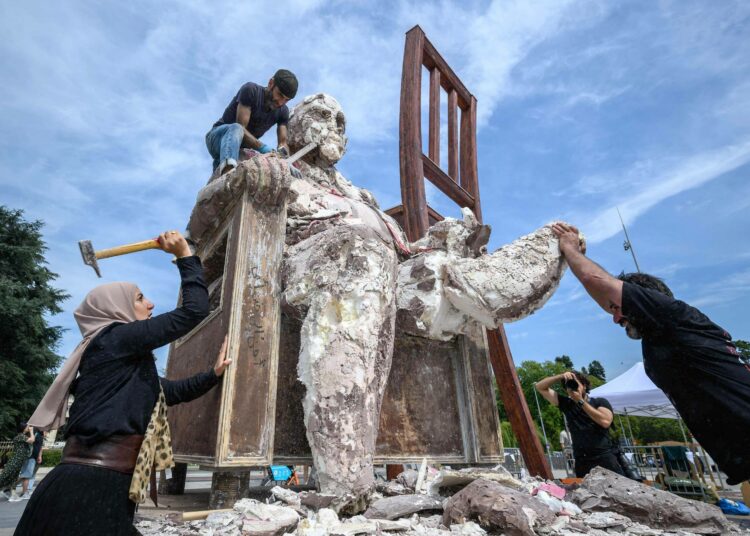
column 249, row 115
column 685, row 354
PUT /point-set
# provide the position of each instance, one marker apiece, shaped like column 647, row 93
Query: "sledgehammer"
column 90, row 256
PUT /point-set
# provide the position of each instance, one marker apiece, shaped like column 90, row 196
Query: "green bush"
column 51, row 457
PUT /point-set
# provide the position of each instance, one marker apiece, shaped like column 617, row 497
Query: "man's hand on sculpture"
column 569, row 237
column 296, row 173
column 283, row 150
column 221, row 361
column 263, row 149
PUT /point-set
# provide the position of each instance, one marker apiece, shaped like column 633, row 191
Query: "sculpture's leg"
column 345, row 279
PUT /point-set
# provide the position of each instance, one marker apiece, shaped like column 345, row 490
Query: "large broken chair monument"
column 439, row 398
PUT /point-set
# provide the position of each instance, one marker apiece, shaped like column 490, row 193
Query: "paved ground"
column 195, row 498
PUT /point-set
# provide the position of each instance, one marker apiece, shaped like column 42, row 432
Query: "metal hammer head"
column 88, row 255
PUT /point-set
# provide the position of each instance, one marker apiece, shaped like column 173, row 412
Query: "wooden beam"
column 515, row 404
column 452, row 135
column 448, row 79
column 434, row 138
column 469, row 172
column 397, row 213
column 445, row 184
column 410, row 138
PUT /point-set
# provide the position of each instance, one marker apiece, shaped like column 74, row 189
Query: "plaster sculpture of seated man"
column 349, row 269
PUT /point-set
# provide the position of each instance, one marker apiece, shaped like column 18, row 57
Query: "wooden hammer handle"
column 128, row 248
column 202, row 514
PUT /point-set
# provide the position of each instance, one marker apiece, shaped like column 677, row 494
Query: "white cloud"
column 726, row 291
column 689, row 173
column 105, row 105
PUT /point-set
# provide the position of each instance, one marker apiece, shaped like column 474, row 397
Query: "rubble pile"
column 470, row 502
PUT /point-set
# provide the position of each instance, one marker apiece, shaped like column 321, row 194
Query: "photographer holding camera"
column 588, row 419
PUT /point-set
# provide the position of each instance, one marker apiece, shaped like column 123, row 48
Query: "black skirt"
column 79, row 500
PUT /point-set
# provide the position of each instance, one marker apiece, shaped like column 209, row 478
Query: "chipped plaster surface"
column 341, row 273
column 345, row 280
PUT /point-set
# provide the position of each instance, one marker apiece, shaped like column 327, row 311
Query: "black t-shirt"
column 589, row 439
column 37, row 447
column 261, row 119
column 695, row 363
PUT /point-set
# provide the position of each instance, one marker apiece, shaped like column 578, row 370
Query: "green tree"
column 27, row 341
column 596, row 369
column 743, row 347
column 565, row 360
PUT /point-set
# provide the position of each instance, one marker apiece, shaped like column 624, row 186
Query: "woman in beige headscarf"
column 117, row 435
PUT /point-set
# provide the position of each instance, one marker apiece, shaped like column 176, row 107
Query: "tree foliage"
column 596, row 369
column 27, row 341
column 743, row 347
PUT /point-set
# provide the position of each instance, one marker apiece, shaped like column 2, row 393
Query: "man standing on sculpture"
column 249, row 115
column 685, row 354
column 589, row 420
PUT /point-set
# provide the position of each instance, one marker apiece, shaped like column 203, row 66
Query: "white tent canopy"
column 633, row 393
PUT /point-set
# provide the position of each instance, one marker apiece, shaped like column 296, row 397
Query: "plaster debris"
column 391, row 488
column 455, row 480
column 315, row 501
column 481, row 507
column 408, row 478
column 402, row 505
column 262, row 519
column 497, row 508
column 604, row 490
column 286, row 495
column 606, row 520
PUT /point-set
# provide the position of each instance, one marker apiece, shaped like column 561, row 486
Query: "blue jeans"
column 223, row 143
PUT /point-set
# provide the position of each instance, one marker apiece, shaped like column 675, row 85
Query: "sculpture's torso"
column 323, row 199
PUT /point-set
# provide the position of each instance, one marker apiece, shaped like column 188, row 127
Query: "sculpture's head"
column 320, row 119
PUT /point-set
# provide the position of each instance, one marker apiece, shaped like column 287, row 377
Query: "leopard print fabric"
column 155, row 453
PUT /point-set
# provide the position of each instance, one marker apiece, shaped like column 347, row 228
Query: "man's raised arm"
column 545, row 388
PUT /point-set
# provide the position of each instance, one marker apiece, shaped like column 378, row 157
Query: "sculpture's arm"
column 440, row 293
column 510, row 284
column 265, row 178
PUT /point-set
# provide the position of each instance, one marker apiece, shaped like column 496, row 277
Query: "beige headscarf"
column 112, row 302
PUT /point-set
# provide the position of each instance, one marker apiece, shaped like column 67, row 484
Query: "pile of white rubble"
column 471, row 502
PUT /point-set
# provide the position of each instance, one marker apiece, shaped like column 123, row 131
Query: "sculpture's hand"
column 569, row 237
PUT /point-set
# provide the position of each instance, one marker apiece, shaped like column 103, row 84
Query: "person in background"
column 566, row 444
column 589, row 420
column 36, row 454
column 21, row 450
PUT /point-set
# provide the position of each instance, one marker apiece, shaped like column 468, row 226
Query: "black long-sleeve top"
column 118, row 384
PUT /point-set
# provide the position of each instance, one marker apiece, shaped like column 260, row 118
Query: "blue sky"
column 583, row 106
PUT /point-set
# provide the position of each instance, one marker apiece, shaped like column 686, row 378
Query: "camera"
column 571, row 384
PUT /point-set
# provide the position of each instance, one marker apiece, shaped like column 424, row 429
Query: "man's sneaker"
column 26, row 496
column 15, row 498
